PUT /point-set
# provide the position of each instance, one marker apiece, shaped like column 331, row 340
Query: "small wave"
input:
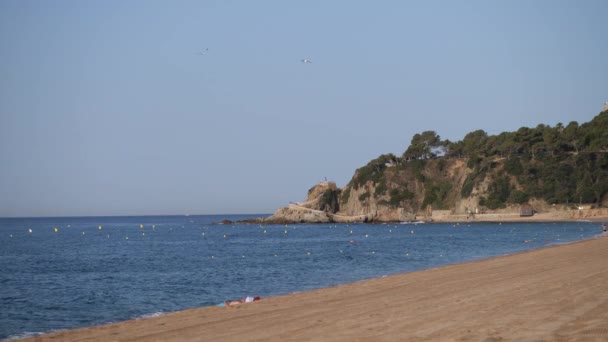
column 156, row 314
column 26, row 334
column 560, row 243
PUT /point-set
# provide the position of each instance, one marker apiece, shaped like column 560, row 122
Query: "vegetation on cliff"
column 558, row 165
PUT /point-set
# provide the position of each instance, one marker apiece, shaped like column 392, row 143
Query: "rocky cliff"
column 531, row 170
column 321, row 202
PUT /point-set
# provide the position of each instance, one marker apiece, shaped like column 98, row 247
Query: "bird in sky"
column 305, row 61
column 202, row 53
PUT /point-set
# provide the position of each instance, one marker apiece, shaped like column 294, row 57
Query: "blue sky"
column 106, row 109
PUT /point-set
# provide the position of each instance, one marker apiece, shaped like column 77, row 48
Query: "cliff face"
column 394, row 193
column 408, row 191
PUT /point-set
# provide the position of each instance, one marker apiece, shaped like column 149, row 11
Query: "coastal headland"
column 532, row 174
column 556, row 293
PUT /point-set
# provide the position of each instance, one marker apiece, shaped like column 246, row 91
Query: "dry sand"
column 557, row 293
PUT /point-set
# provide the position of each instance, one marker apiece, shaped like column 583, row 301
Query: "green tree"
column 424, row 146
column 596, row 133
column 473, row 143
column 513, row 166
column 373, row 171
column 498, row 193
column 571, row 136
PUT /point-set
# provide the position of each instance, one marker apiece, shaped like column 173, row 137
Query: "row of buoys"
column 141, row 226
column 56, row 230
column 100, row 227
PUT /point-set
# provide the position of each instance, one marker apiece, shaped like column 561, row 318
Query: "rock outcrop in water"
column 321, row 206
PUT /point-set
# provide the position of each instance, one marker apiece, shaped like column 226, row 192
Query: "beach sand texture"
column 558, row 293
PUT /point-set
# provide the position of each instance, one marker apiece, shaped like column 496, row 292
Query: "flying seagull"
column 202, row 53
column 305, row 61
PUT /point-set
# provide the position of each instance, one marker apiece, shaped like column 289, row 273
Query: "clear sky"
column 107, row 109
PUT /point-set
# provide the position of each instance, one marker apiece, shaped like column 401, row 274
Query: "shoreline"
column 479, row 218
column 508, row 297
column 440, row 216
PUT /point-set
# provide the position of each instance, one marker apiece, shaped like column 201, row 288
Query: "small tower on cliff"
column 605, row 106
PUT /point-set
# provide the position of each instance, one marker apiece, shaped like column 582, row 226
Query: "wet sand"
column 558, row 293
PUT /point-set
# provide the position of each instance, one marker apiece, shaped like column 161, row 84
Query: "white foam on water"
column 156, row 314
column 29, row 334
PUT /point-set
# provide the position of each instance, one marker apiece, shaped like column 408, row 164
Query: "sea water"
column 63, row 273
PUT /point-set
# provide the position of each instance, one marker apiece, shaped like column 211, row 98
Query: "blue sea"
column 63, row 273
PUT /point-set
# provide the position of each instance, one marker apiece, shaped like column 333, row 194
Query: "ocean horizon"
column 71, row 272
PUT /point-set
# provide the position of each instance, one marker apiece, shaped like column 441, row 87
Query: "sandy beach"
column 553, row 294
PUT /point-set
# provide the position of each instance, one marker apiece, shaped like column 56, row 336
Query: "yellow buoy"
column 56, row 229
column 141, row 226
column 29, row 230
column 99, row 227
